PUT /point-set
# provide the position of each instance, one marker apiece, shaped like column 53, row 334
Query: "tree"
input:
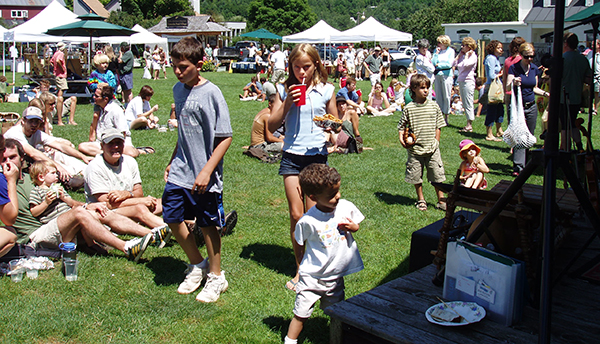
column 148, row 13
column 283, row 17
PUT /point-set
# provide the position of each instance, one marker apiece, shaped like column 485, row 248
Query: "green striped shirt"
column 38, row 195
column 423, row 119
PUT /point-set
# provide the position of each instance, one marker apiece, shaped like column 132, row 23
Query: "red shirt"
column 59, row 64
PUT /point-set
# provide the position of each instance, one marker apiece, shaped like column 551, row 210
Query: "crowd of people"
column 320, row 223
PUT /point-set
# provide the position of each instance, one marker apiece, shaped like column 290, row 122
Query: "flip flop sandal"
column 421, row 205
column 291, row 285
column 145, row 150
column 466, row 130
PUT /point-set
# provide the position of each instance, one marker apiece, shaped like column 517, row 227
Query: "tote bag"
column 517, row 134
column 496, row 92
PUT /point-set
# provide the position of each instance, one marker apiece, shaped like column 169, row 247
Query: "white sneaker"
column 193, row 279
column 215, row 285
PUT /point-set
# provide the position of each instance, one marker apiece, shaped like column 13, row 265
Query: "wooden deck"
column 395, row 312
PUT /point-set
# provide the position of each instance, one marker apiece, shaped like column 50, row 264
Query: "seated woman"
column 378, row 102
column 341, row 142
column 138, row 114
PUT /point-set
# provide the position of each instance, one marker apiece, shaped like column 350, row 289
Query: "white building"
column 536, row 18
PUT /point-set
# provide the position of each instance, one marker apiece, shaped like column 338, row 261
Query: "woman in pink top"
column 466, row 62
column 513, row 50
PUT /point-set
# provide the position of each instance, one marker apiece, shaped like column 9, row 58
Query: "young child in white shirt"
column 330, row 252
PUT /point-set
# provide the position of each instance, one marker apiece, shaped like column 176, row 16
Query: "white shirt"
column 100, row 177
column 38, row 138
column 112, row 116
column 136, row 107
column 329, row 253
column 278, row 59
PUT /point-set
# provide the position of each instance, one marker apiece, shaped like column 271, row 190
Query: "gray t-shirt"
column 202, row 115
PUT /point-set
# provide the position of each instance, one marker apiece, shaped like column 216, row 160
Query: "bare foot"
column 72, row 123
column 61, row 124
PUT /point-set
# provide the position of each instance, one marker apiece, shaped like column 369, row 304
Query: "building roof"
column 539, row 13
column 95, row 6
column 200, row 24
column 31, row 3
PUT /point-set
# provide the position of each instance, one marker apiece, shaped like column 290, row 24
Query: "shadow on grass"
column 277, row 258
column 399, row 271
column 167, row 270
column 315, row 329
column 393, row 199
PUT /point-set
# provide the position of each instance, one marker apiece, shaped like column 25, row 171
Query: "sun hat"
column 465, row 145
column 112, row 134
column 61, row 45
column 339, row 99
column 377, row 49
column 33, row 112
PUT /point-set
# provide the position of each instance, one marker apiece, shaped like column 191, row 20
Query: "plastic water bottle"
column 69, row 250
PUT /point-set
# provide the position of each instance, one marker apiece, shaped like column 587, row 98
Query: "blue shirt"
column 528, row 82
column 302, row 136
column 3, row 190
column 353, row 96
column 492, row 68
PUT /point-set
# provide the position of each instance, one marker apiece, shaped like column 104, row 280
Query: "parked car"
column 407, row 51
column 399, row 66
column 331, row 53
column 237, row 52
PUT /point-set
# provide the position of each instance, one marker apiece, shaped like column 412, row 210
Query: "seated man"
column 87, row 219
column 251, row 90
column 9, row 206
column 352, row 99
column 261, row 136
column 32, row 139
column 114, row 178
column 111, row 117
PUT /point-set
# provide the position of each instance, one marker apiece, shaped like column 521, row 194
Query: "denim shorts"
column 180, row 204
column 292, row 164
column 126, row 81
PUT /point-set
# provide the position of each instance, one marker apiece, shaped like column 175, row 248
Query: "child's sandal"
column 421, row 205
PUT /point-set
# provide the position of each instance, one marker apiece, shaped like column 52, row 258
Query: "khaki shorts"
column 61, row 83
column 47, row 235
column 433, row 163
column 309, row 290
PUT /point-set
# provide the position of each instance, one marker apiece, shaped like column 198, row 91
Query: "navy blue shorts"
column 180, row 204
column 292, row 164
column 126, row 81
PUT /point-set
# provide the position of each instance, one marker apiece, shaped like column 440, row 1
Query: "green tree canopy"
column 148, row 13
column 282, row 17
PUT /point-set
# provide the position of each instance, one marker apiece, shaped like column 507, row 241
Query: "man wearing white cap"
column 59, row 64
column 30, row 136
column 114, row 178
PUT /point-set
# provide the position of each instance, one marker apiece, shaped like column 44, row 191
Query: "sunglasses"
column 528, row 56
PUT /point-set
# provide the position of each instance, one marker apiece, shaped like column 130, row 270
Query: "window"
column 486, row 35
column 509, row 34
column 462, row 34
column 19, row 14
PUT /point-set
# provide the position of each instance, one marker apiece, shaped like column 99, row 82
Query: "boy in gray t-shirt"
column 195, row 173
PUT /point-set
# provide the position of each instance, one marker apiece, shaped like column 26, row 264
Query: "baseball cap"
column 124, row 44
column 33, row 112
column 112, row 134
column 377, row 49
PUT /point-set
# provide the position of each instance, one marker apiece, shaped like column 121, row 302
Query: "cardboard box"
column 494, row 281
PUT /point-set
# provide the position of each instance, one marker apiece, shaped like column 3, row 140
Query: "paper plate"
column 471, row 312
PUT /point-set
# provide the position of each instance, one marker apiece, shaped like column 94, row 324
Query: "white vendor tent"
column 142, row 37
column 53, row 15
column 321, row 32
column 372, row 30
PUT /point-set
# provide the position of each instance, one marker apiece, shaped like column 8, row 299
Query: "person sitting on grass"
column 111, row 117
column 352, row 98
column 261, row 137
column 85, row 219
column 9, row 205
column 114, row 178
column 378, row 102
column 348, row 139
column 473, row 167
column 69, row 106
column 251, row 91
column 139, row 114
column 424, row 117
column 330, row 252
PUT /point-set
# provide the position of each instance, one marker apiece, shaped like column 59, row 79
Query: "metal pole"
column 549, row 188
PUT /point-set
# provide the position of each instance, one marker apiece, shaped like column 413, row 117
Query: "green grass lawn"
column 117, row 301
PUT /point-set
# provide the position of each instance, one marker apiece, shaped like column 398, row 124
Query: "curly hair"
column 317, row 178
column 513, row 47
column 489, row 49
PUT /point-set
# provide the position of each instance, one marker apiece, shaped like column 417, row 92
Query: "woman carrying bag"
column 493, row 70
column 525, row 75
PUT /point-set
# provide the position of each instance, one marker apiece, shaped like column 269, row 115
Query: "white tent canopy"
column 321, row 32
column 372, row 30
column 53, row 15
column 142, row 37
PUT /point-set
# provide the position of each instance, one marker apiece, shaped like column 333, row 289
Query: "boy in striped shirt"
column 424, row 118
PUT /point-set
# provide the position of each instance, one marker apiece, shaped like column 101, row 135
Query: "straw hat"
column 465, row 145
